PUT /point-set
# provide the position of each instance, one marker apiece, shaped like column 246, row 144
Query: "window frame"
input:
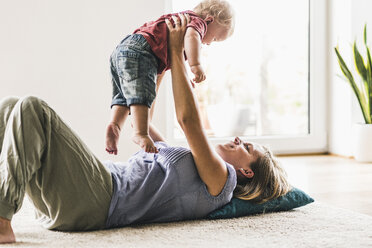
column 316, row 140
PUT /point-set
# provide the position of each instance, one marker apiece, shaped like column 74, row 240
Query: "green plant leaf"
column 361, row 99
column 365, row 108
column 359, row 63
column 369, row 86
column 369, row 71
column 364, row 90
column 369, row 66
column 343, row 66
column 365, row 34
column 369, row 78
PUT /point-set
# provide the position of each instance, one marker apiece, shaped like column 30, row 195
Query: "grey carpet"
column 315, row 225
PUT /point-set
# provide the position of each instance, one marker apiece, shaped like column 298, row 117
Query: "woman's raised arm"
column 211, row 168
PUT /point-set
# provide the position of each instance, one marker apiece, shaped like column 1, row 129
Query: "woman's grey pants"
column 41, row 156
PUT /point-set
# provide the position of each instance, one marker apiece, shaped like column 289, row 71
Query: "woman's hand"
column 177, row 32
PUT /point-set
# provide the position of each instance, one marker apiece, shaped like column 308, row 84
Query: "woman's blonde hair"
column 221, row 10
column 269, row 180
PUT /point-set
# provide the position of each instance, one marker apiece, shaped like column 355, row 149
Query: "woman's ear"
column 248, row 173
column 209, row 19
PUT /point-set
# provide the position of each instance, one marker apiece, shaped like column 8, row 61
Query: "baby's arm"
column 192, row 50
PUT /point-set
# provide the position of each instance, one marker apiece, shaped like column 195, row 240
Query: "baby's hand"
column 198, row 72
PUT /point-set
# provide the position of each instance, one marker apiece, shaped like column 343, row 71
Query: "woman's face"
column 240, row 155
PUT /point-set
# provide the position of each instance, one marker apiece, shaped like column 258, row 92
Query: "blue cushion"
column 237, row 207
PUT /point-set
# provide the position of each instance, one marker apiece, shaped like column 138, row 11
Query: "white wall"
column 59, row 51
column 347, row 19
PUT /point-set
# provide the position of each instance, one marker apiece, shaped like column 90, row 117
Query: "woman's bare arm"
column 211, row 168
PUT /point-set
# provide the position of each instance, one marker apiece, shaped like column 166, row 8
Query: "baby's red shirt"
column 156, row 34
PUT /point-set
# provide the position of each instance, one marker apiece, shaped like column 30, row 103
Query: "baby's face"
column 215, row 32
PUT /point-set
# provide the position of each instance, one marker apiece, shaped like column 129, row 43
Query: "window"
column 261, row 82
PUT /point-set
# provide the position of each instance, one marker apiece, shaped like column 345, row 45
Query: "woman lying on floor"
column 72, row 190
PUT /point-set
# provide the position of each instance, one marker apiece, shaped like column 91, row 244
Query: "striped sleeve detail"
column 172, row 154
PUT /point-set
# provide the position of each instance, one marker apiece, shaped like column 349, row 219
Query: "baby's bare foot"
column 6, row 232
column 145, row 142
column 112, row 138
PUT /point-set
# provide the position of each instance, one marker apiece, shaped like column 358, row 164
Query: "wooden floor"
column 334, row 180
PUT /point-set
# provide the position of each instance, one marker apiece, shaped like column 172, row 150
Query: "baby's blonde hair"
column 221, row 10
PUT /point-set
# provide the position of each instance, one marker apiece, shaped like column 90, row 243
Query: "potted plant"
column 362, row 87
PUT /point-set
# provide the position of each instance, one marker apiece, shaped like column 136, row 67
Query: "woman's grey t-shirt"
column 162, row 187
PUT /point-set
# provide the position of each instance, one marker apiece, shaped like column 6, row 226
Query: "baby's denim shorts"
column 134, row 72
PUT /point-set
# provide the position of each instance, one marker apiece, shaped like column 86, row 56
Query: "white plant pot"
column 362, row 142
